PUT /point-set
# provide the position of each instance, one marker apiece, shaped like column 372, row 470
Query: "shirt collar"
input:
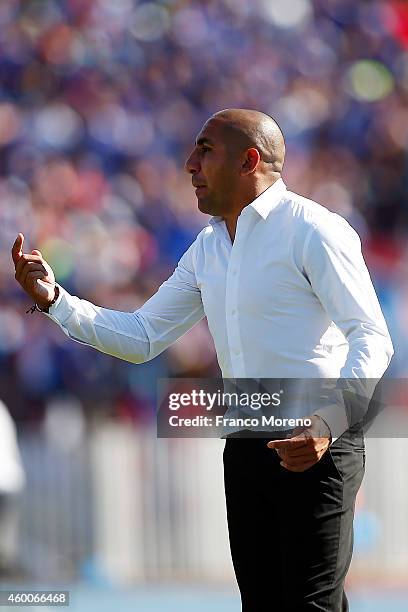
column 265, row 202
column 269, row 199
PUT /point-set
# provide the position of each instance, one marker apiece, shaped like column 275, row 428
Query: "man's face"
column 214, row 173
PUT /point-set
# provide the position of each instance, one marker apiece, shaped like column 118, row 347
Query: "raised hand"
column 33, row 273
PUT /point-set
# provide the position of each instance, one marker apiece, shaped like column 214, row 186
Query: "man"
column 286, row 293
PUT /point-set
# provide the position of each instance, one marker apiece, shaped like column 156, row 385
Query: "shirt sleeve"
column 141, row 335
column 334, row 264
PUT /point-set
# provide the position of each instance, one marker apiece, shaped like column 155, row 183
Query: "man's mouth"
column 200, row 189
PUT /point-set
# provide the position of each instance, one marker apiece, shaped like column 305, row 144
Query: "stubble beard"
column 211, row 206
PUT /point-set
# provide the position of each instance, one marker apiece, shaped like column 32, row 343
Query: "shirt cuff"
column 61, row 310
column 336, row 419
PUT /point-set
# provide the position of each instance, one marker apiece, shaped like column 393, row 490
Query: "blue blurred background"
column 100, row 103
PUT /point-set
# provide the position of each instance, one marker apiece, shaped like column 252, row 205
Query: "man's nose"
column 192, row 166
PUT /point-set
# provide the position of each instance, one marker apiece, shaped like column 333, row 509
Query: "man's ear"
column 251, row 161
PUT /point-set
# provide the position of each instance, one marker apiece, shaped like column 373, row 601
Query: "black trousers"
column 291, row 534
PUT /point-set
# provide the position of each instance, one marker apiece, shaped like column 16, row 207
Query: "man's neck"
column 231, row 220
column 231, row 223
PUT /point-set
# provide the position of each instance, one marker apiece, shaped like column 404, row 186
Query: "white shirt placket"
column 232, row 295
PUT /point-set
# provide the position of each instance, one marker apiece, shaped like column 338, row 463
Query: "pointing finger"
column 17, row 250
column 289, row 443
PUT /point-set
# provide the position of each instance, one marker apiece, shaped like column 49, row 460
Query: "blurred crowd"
column 100, row 103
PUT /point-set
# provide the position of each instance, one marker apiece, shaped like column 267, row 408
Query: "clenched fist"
column 34, row 274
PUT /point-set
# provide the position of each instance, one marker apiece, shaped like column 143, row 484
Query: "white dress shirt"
column 291, row 297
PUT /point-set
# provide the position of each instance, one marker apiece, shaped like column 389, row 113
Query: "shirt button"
column 234, row 272
column 233, row 311
column 237, row 351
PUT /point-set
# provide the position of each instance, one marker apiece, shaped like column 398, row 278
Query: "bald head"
column 237, row 155
column 246, row 128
